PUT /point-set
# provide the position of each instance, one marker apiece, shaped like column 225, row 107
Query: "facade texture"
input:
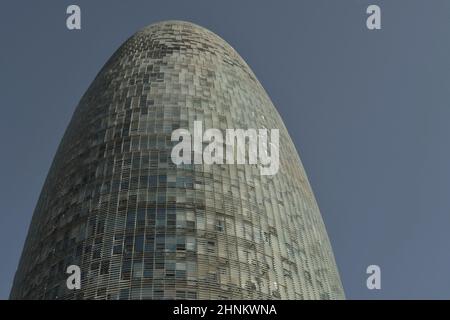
column 141, row 227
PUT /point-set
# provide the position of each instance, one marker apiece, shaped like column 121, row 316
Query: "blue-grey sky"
column 369, row 112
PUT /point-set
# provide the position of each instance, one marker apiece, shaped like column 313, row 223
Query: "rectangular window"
column 139, row 243
column 137, row 270
column 190, row 243
column 211, row 247
column 104, row 269
column 219, row 225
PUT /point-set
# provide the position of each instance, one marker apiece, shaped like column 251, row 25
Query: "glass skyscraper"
column 141, row 227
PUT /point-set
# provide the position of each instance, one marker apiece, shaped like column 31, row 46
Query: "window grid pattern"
column 141, row 227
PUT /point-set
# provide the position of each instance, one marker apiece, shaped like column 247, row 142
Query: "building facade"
column 141, row 227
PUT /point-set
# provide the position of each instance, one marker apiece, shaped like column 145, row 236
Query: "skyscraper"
column 141, row 227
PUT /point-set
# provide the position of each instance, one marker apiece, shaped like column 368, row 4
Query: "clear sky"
column 368, row 111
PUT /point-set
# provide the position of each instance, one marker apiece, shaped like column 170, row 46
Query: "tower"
column 141, row 227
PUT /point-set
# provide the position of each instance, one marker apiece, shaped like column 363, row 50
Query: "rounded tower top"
column 142, row 226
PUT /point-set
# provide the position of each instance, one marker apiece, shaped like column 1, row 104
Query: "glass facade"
column 141, row 227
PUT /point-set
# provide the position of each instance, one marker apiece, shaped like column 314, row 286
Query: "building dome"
column 141, row 227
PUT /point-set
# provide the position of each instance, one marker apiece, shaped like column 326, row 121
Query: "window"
column 129, row 244
column 124, row 293
column 219, row 225
column 181, row 243
column 211, row 248
column 152, row 181
column 170, row 244
column 191, row 295
column 104, row 269
column 137, row 270
column 190, row 243
column 139, row 243
column 131, row 217
column 141, row 218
